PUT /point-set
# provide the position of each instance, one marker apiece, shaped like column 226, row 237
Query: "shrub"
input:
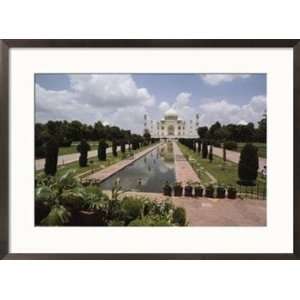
column 132, row 208
column 178, row 189
column 198, row 191
column 248, row 165
column 209, row 191
column 83, row 148
column 188, row 191
column 167, row 189
column 179, row 216
column 51, row 156
column 221, row 192
column 58, row 215
column 231, row 193
column 230, row 145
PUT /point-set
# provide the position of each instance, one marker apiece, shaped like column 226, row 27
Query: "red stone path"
column 216, row 212
column 183, row 170
column 235, row 156
column 111, row 170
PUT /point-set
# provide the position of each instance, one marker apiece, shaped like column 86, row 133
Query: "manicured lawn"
column 225, row 174
column 262, row 148
column 72, row 149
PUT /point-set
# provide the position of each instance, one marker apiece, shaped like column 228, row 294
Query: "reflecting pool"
column 147, row 174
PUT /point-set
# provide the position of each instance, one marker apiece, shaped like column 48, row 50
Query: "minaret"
column 145, row 122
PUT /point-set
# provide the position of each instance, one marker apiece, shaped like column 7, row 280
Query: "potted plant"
column 188, row 190
column 231, row 193
column 198, row 190
column 178, row 189
column 167, row 189
column 220, row 192
column 209, row 191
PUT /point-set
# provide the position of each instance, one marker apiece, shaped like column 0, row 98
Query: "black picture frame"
column 6, row 45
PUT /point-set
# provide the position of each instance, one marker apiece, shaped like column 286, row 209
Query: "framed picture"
column 149, row 149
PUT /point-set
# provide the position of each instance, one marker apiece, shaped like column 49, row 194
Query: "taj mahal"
column 171, row 126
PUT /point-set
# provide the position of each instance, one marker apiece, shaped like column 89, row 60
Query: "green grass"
column 225, row 174
column 262, row 148
column 72, row 149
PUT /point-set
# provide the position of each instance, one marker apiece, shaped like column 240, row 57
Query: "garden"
column 61, row 200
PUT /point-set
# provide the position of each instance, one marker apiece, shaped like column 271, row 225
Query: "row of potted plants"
column 196, row 190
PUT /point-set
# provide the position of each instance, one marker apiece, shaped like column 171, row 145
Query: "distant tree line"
column 65, row 133
column 218, row 133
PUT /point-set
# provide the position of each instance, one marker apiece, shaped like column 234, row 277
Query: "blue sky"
column 122, row 99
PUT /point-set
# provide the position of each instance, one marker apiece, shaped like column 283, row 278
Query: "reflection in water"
column 148, row 174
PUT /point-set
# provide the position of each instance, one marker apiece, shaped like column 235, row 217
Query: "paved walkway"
column 111, row 170
column 216, row 212
column 235, row 156
column 183, row 170
column 67, row 158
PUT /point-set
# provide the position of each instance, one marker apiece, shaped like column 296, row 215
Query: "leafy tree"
column 202, row 132
column 102, row 150
column 83, row 148
column 51, row 156
column 212, row 131
column 248, row 165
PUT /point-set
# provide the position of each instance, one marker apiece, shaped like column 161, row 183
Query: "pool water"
column 147, row 174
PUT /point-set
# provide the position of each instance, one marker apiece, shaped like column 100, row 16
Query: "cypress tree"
column 248, row 165
column 51, row 156
column 210, row 155
column 114, row 148
column 199, row 146
column 123, row 146
column 204, row 150
column 83, row 148
column 102, row 150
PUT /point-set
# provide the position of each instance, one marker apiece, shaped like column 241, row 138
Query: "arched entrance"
column 171, row 130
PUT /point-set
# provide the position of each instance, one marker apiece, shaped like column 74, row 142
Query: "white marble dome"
column 171, row 113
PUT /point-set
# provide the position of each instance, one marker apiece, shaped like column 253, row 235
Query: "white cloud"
column 225, row 112
column 164, row 106
column 90, row 98
column 181, row 105
column 216, row 79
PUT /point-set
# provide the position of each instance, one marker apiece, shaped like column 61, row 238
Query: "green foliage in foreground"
column 62, row 200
